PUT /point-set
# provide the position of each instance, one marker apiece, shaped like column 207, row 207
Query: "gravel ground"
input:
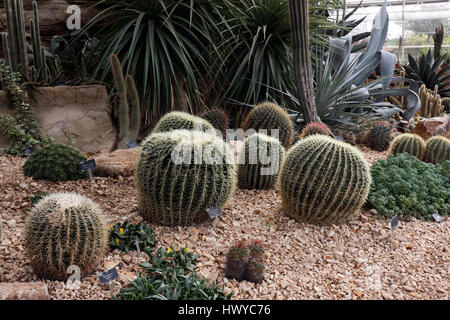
column 357, row 260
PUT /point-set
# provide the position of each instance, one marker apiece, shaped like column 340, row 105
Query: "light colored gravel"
column 357, row 260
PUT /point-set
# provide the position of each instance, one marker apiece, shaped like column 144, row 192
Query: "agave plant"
column 430, row 72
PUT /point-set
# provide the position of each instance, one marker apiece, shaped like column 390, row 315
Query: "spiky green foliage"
column 438, row 38
column 218, row 118
column 314, row 128
column 323, row 180
column 180, row 174
column 260, row 161
column 123, row 236
column 437, row 149
column 379, row 137
column 177, row 120
column 55, row 162
column 405, row 186
column 237, row 261
column 412, row 144
column 268, row 116
column 65, row 229
column 430, row 102
column 255, row 271
column 127, row 89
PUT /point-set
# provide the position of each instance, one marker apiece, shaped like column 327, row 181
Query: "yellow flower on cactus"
column 117, row 241
column 169, row 250
column 121, row 230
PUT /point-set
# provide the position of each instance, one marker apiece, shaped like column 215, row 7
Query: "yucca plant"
column 430, row 72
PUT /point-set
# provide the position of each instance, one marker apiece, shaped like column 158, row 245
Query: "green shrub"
column 171, row 275
column 177, row 120
column 55, row 162
column 123, row 236
column 406, row 186
column 437, row 149
column 323, row 180
column 65, row 229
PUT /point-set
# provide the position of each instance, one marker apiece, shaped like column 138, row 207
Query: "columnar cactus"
column 409, row 143
column 270, row 116
column 323, row 180
column 182, row 173
column 218, row 118
column 177, row 120
column 380, row 137
column 314, row 128
column 65, row 229
column 259, row 162
column 437, row 149
column 126, row 89
column 430, row 102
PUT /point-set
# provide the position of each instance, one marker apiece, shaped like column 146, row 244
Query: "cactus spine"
column 218, row 118
column 65, row 229
column 260, row 160
column 177, row 189
column 409, row 143
column 437, row 150
column 127, row 132
column 269, row 116
column 323, row 180
column 431, row 102
column 314, row 128
column 177, row 120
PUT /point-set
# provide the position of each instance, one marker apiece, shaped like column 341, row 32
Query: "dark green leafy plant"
column 123, row 236
column 171, row 275
column 55, row 162
column 406, row 186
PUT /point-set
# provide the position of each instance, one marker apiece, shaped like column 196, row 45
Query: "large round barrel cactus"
column 409, row 143
column 65, row 229
column 323, row 180
column 437, row 149
column 270, row 116
column 260, row 160
column 177, row 120
column 181, row 173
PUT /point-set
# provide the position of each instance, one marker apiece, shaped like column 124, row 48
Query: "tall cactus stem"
column 136, row 110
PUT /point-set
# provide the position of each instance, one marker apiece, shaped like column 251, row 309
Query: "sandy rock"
column 120, row 162
column 23, row 291
column 429, row 127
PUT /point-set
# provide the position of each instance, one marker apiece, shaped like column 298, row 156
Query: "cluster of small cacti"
column 269, row 116
column 260, row 160
column 55, row 162
column 177, row 120
column 65, row 229
column 412, row 144
column 128, row 130
column 218, row 118
column 323, row 180
column 246, row 262
column 431, row 104
column 380, row 136
column 437, row 150
column 314, row 128
column 176, row 187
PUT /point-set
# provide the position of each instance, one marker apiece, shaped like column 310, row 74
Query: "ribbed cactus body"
column 409, row 143
column 270, row 116
column 323, row 180
column 437, row 149
column 260, row 161
column 176, row 190
column 65, row 229
column 218, row 118
column 380, row 138
column 177, row 120
column 314, row 128
column 430, row 102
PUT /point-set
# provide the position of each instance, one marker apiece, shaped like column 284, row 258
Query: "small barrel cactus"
column 236, row 263
column 380, row 137
column 270, row 116
column 437, row 150
column 177, row 120
column 314, row 128
column 181, row 173
column 218, row 118
column 55, row 162
column 323, row 180
column 65, row 229
column 412, row 144
column 259, row 162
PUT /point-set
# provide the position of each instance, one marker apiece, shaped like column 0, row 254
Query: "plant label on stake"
column 132, row 144
column 214, row 213
column 394, row 224
column 108, row 277
column 137, row 246
column 27, row 151
column 88, row 166
column 437, row 217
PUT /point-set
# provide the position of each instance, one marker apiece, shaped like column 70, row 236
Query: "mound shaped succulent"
column 380, row 137
column 323, row 180
column 314, row 128
column 177, row 120
column 412, row 144
column 218, row 118
column 270, row 116
column 181, row 173
column 55, row 162
column 437, row 149
column 259, row 162
column 65, row 229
